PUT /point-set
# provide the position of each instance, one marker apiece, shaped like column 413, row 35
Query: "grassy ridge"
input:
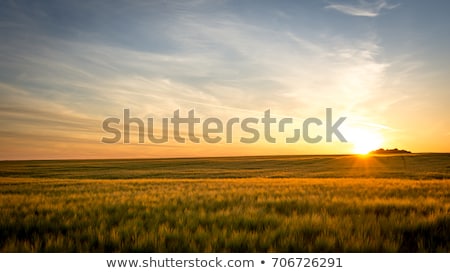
column 414, row 166
column 224, row 215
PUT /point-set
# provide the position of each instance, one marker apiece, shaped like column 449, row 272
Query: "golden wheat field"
column 77, row 206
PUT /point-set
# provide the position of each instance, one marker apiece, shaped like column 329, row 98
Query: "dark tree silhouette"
column 390, row 151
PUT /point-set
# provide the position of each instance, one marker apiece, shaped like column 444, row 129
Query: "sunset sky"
column 65, row 66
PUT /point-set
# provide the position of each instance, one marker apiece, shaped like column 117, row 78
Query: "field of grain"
column 270, row 204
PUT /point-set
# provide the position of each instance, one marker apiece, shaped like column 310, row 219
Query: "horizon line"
column 217, row 157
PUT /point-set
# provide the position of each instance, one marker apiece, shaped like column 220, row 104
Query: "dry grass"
column 224, row 215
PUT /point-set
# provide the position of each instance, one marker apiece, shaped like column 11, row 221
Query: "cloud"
column 222, row 64
column 363, row 8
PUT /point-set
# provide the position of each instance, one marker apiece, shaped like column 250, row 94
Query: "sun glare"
column 364, row 141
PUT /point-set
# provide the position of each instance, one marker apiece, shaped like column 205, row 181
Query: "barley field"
column 254, row 204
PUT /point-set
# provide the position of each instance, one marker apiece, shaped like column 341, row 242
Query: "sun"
column 364, row 141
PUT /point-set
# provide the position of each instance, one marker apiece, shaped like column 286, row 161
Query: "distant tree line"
column 390, row 151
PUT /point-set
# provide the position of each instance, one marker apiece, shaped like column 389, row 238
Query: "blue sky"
column 67, row 65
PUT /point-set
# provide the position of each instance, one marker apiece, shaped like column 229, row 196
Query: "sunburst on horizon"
column 364, row 141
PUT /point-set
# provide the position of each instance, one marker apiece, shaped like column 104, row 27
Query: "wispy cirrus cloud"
column 62, row 87
column 62, row 75
column 363, row 8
